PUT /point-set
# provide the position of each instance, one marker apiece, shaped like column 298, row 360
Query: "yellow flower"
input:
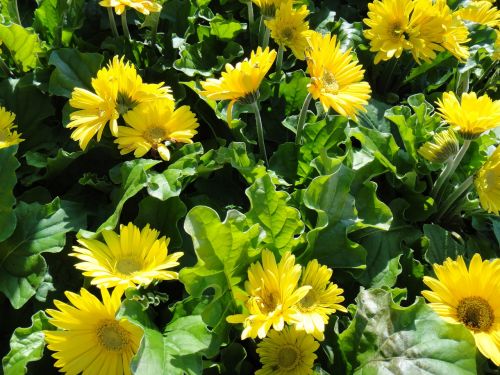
column 156, row 126
column 443, row 146
column 388, row 22
column 133, row 257
column 336, row 80
column 482, row 12
column 240, row 82
column 473, row 116
column 469, row 297
column 8, row 136
column 496, row 53
column 91, row 340
column 487, row 183
column 455, row 33
column 288, row 352
column 290, row 29
column 268, row 7
column 323, row 299
column 142, row 6
column 272, row 294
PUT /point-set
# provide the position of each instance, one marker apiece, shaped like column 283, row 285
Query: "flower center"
column 397, row 31
column 330, row 82
column 288, row 357
column 288, row 33
column 309, row 300
column 124, row 103
column 128, row 266
column 476, row 313
column 155, row 135
column 111, row 336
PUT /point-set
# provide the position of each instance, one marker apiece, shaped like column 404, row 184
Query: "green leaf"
column 40, row 228
column 441, row 245
column 270, row 210
column 26, row 345
column 73, row 69
column 8, row 166
column 187, row 335
column 48, row 166
column 23, row 44
column 225, row 29
column 385, row 338
column 8, row 11
column 294, row 91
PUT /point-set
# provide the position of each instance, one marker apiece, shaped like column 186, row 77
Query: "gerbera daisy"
column 456, row 34
column 290, row 29
column 142, row 6
column 156, row 126
column 272, row 294
column 469, row 297
column 90, row 339
column 240, row 82
column 336, row 80
column 441, row 148
column 8, row 136
column 482, row 12
column 321, row 300
column 487, row 183
column 268, row 7
column 133, row 257
column 472, row 116
column 288, row 352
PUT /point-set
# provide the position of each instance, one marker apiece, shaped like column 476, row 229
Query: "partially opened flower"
column 336, row 79
column 8, row 136
column 487, row 183
column 268, row 7
column 89, row 339
column 142, row 6
column 472, row 116
column 482, row 12
column 469, row 297
column 287, row 352
column 441, row 148
column 133, row 257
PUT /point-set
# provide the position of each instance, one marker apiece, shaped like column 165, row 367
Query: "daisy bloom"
column 156, row 126
column 288, row 352
column 133, row 257
column 472, row 116
column 240, row 82
column 142, row 6
column 90, row 339
column 268, row 7
column 290, row 29
column 482, row 12
column 8, row 136
column 442, row 147
column 487, row 183
column 455, row 33
column 272, row 294
column 469, row 297
column 336, row 80
column 321, row 300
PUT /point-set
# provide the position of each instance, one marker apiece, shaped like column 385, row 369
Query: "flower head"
column 8, row 136
column 155, row 125
column 482, row 12
column 290, row 29
column 472, row 116
column 133, row 257
column 469, row 297
column 142, row 6
column 487, row 183
column 455, row 33
column 288, row 352
column 268, row 7
column 90, row 339
column 336, row 80
column 443, row 146
column 272, row 294
column 321, row 300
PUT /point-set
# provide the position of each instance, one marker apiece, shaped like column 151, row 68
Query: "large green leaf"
column 441, row 244
column 8, row 166
column 225, row 29
column 294, row 91
column 23, row 44
column 385, row 338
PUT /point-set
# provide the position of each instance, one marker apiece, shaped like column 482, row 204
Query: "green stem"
column 260, row 132
column 126, row 32
column 112, row 22
column 154, row 30
column 265, row 41
column 450, row 168
column 251, row 19
column 457, row 193
column 16, row 8
column 279, row 65
column 260, row 33
column 302, row 119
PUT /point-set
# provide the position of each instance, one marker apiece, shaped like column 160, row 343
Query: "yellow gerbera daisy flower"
column 288, row 352
column 472, row 116
column 268, row 7
column 8, row 136
column 156, row 126
column 482, row 12
column 91, row 340
column 142, row 6
column 321, row 300
column 336, row 80
column 487, row 183
column 455, row 34
column 133, row 257
column 240, row 82
column 290, row 29
column 442, row 147
column 469, row 297
column 389, row 23
column 272, row 294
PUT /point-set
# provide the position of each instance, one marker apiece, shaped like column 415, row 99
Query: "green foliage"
column 23, row 45
column 8, row 166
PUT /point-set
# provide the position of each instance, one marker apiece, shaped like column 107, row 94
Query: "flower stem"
column 112, row 22
column 279, row 65
column 302, row 119
column 260, row 132
column 126, row 32
column 448, row 203
column 16, row 8
column 154, row 29
column 251, row 19
column 265, row 41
